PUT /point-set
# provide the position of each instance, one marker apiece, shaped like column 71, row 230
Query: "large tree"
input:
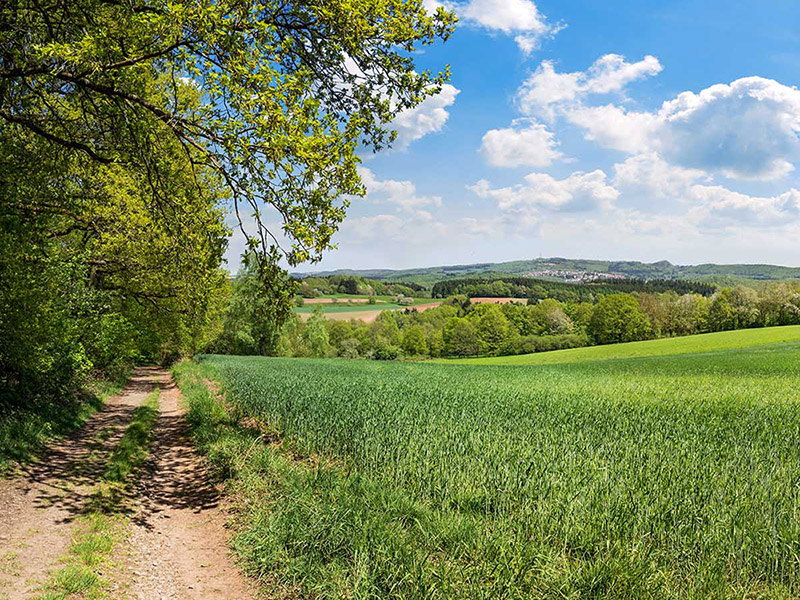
column 130, row 128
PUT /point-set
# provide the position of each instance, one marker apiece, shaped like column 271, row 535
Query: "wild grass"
column 25, row 431
column 694, row 344
column 103, row 526
column 660, row 477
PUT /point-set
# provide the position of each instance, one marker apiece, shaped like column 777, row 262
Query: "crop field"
column 656, row 477
column 694, row 344
column 345, row 309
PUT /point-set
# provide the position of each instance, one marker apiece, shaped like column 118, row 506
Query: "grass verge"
column 98, row 531
column 25, row 432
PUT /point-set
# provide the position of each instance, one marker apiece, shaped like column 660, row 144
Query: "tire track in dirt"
column 178, row 542
column 40, row 503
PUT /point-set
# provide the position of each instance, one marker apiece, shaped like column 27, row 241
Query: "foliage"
column 539, row 289
column 618, row 318
column 587, row 479
column 129, row 129
column 461, row 338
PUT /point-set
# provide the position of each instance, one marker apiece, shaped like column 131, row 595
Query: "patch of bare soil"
column 178, row 542
column 177, row 547
column 335, row 300
column 39, row 504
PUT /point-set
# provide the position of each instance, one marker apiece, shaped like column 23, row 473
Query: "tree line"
column 460, row 328
column 313, row 287
column 539, row 289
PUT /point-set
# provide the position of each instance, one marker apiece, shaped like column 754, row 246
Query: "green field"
column 695, row 344
column 342, row 304
column 658, row 477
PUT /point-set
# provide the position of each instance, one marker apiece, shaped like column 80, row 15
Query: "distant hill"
column 566, row 269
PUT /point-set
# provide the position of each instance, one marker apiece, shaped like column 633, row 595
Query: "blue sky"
column 613, row 130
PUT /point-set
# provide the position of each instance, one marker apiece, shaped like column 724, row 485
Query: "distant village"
column 576, row 276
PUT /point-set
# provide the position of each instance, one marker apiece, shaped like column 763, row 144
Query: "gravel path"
column 179, row 540
column 177, row 545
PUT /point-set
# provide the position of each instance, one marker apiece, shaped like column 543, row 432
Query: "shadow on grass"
column 25, row 430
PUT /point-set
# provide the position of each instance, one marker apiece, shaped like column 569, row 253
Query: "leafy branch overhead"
column 134, row 132
column 272, row 97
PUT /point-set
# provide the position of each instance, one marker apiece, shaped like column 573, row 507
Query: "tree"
column 284, row 93
column 414, row 341
column 315, row 334
column 127, row 129
column 461, row 338
column 491, row 325
column 384, row 330
column 688, row 315
column 436, row 343
column 580, row 313
column 618, row 318
column 721, row 315
column 249, row 326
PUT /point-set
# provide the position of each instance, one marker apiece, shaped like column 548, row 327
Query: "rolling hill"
column 574, row 269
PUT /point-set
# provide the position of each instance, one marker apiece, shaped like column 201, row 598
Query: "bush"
column 387, row 352
column 529, row 344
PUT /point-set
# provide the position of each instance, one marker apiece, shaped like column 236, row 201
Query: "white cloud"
column 649, row 174
column 710, row 206
column 532, row 145
column 402, row 194
column 748, row 129
column 610, row 73
column 429, row 116
column 541, row 192
column 745, row 130
column 614, row 127
column 719, row 206
column 520, row 18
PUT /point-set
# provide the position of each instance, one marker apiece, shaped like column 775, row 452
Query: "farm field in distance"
column 692, row 344
column 346, row 307
column 671, row 476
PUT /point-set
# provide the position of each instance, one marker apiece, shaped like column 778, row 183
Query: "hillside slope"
column 693, row 344
column 561, row 268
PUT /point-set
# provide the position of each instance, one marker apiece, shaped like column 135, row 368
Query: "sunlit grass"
column 661, row 477
column 97, row 533
column 707, row 342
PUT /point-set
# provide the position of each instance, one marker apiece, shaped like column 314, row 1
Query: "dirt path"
column 179, row 541
column 40, row 504
column 177, row 547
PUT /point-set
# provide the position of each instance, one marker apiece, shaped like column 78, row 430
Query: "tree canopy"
column 130, row 131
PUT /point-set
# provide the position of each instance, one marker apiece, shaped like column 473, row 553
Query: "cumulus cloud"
column 520, row 18
column 718, row 206
column 709, row 206
column 648, row 173
column 747, row 129
column 402, row 194
column 429, row 116
column 609, row 73
column 541, row 192
column 526, row 143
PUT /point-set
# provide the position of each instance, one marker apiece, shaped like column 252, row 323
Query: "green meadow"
column 672, row 471
column 694, row 344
